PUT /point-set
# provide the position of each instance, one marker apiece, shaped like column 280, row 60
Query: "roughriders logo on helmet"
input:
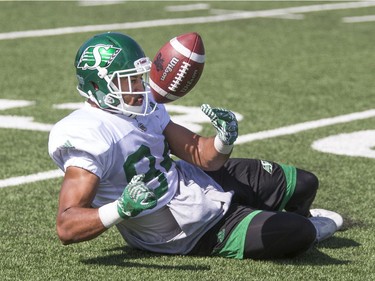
column 98, row 56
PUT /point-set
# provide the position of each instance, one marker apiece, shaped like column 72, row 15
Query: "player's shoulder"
column 87, row 119
column 161, row 114
column 84, row 116
column 80, row 130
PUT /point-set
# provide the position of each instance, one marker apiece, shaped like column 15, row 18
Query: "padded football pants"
column 255, row 225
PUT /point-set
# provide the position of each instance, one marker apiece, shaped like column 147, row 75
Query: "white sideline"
column 282, row 131
column 183, row 21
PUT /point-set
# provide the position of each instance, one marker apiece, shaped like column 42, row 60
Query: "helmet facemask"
column 115, row 99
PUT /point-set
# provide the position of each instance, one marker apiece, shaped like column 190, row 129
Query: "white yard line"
column 300, row 127
column 188, row 8
column 31, row 178
column 183, row 21
column 287, row 130
column 359, row 19
column 86, row 3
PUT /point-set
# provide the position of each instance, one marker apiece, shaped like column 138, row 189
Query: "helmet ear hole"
column 96, row 87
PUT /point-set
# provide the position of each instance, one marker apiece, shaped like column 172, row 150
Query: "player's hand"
column 136, row 198
column 224, row 121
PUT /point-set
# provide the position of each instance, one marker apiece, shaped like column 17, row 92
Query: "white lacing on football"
column 179, row 76
column 161, row 92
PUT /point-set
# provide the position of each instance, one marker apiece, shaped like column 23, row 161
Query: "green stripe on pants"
column 235, row 244
column 290, row 173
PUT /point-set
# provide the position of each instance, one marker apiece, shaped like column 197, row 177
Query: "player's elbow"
column 214, row 162
column 213, row 166
column 65, row 231
column 64, row 235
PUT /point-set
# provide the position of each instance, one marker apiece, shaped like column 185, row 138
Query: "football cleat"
column 337, row 218
column 325, row 227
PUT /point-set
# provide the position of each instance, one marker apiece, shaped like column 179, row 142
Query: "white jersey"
column 115, row 148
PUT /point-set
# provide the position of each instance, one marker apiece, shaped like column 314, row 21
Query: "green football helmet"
column 100, row 64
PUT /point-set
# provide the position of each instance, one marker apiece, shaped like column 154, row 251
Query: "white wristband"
column 108, row 214
column 221, row 147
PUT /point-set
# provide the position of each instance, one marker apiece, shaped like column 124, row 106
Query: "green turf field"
column 301, row 74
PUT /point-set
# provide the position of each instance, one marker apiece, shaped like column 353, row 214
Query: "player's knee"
column 307, row 231
column 313, row 181
column 302, row 235
column 278, row 235
column 300, row 230
column 308, row 181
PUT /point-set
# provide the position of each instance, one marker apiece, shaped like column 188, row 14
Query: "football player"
column 116, row 155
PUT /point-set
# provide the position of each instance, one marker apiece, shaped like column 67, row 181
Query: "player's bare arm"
column 194, row 148
column 76, row 220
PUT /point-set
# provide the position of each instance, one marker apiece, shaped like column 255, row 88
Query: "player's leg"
column 299, row 197
column 242, row 176
column 278, row 235
column 248, row 233
column 284, row 235
column 245, row 232
column 268, row 185
column 304, row 193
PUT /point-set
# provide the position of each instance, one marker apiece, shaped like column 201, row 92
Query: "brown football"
column 177, row 67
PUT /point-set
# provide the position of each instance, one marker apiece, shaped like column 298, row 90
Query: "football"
column 177, row 67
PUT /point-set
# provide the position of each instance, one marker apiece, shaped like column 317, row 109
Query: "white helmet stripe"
column 186, row 52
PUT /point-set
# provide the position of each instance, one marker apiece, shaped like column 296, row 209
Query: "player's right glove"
column 136, row 198
column 224, row 121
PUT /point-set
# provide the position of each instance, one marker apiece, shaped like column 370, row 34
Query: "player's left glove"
column 136, row 198
column 224, row 121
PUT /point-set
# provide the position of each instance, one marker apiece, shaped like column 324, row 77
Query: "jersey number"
column 144, row 152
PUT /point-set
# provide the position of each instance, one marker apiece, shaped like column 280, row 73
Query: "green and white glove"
column 225, row 123
column 136, row 198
